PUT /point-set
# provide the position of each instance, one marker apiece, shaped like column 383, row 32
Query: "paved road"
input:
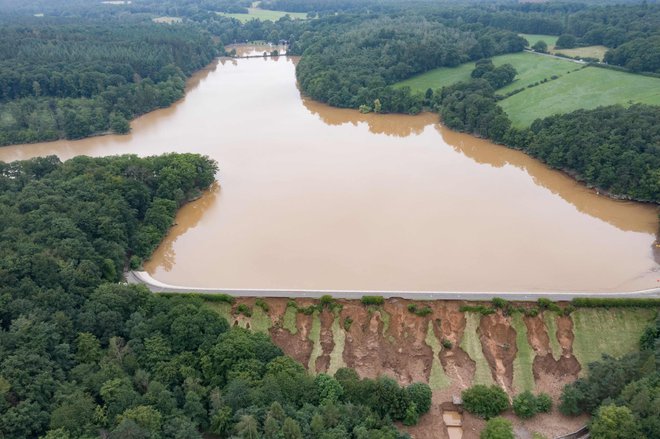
column 142, row 277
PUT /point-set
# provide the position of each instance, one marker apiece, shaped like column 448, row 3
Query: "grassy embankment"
column 264, row 14
column 576, row 86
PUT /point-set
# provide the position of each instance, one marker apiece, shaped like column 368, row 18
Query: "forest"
column 59, row 79
column 82, row 356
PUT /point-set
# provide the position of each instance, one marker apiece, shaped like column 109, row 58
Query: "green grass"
column 263, row 14
column 289, row 320
column 523, row 376
column 550, row 40
column 550, row 320
column 613, row 331
column 224, row 309
column 472, row 346
column 437, row 379
column 597, row 52
column 315, row 337
column 531, row 68
column 260, row 321
column 337, row 354
column 587, row 88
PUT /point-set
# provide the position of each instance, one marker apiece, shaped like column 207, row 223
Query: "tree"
column 524, row 405
column 291, row 429
column 540, row 47
column 420, row 394
column 566, row 41
column 497, row 428
column 612, row 422
column 247, row 427
column 485, row 402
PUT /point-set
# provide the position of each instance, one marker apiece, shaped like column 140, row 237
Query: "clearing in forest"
column 263, row 14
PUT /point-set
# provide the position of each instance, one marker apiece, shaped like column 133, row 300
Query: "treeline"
column 64, row 80
column 613, row 148
column 353, row 62
column 623, row 394
column 83, row 356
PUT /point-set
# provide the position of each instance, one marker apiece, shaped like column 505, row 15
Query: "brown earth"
column 390, row 340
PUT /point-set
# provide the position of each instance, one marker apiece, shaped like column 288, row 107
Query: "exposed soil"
column 498, row 341
column 390, row 340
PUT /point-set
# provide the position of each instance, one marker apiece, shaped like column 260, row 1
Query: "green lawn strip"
column 550, row 40
column 260, row 321
column 531, row 68
column 472, row 346
column 550, row 320
column 263, row 14
column 437, row 379
column 587, row 88
column 523, row 376
column 612, row 331
column 337, row 354
column 289, row 320
column 385, row 318
column 315, row 337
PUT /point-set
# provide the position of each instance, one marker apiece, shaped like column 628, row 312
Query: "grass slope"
column 263, row 14
column 337, row 354
column 587, row 88
column 611, row 331
column 531, row 68
column 550, row 320
column 437, row 378
column 472, row 346
column 315, row 337
column 289, row 320
column 597, row 52
column 523, row 376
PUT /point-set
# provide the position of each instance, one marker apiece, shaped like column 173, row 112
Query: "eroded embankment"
column 448, row 348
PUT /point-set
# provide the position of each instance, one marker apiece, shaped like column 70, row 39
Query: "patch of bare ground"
column 549, row 425
column 498, row 340
column 297, row 346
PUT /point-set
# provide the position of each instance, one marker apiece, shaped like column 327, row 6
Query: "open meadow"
column 263, row 14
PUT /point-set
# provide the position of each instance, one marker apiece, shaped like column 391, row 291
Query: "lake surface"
column 310, row 196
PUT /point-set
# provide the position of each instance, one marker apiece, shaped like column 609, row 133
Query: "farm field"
column 263, row 14
column 530, row 67
column 597, row 52
column 587, row 88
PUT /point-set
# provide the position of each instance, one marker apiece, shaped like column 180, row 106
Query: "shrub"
column 327, row 300
column 261, row 303
column 372, row 300
column 483, row 310
column 420, row 395
column 447, row 344
column 224, row 298
column 244, row 309
column 499, row 303
column 347, row 323
column 485, row 402
column 543, row 403
column 589, row 302
column 497, row 428
column 419, row 312
column 524, row 405
column 135, row 262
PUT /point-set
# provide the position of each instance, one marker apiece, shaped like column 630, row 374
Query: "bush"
column 497, row 428
column 543, row 403
column 135, row 262
column 447, row 344
column 589, row 302
column 224, row 298
column 327, row 300
column 420, row 395
column 524, row 405
column 244, row 309
column 485, row 402
column 499, row 303
column 483, row 310
column 419, row 312
column 261, row 303
column 372, row 300
column 347, row 323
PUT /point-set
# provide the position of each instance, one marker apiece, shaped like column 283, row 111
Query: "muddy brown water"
column 316, row 197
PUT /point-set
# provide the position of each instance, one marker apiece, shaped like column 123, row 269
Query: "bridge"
column 144, row 278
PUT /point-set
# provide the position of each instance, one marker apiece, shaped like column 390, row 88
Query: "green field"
column 611, row 331
column 587, row 88
column 550, row 40
column 264, row 14
column 530, row 67
column 597, row 52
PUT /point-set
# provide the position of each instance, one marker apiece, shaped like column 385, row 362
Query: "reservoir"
column 314, row 197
